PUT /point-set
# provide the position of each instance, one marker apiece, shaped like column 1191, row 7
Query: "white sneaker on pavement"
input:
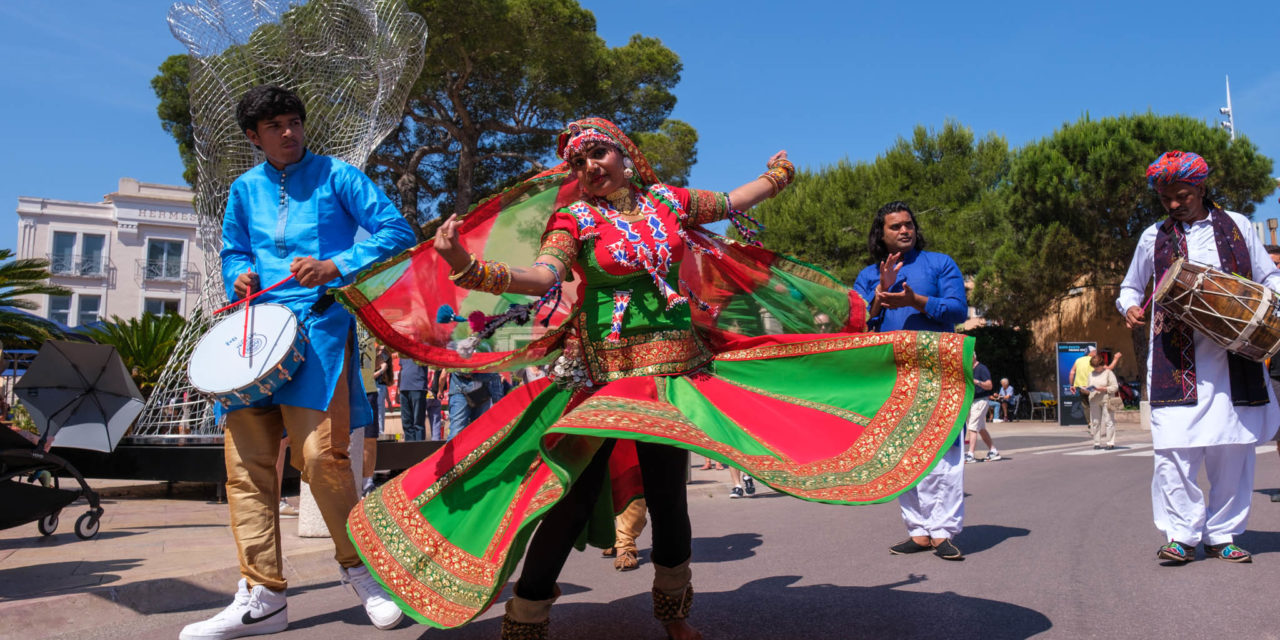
column 253, row 612
column 383, row 612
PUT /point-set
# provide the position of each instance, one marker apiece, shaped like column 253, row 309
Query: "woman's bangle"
column 484, row 275
column 786, row 166
column 778, row 177
column 465, row 270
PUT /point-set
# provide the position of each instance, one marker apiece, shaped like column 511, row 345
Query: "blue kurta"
column 311, row 208
column 930, row 274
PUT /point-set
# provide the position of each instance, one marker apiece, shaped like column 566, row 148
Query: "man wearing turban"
column 1208, row 406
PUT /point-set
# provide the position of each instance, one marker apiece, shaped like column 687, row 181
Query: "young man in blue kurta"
column 910, row 288
column 298, row 213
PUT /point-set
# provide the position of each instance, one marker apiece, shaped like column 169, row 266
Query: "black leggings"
column 663, row 471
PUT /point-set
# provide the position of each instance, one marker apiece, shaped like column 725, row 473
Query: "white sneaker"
column 383, row 612
column 253, row 612
column 287, row 510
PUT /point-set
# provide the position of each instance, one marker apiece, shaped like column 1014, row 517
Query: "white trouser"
column 935, row 507
column 1179, row 504
column 1101, row 422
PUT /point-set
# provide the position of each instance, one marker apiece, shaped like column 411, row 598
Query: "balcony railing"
column 66, row 264
column 167, row 271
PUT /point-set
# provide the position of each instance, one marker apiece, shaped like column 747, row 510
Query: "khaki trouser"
column 630, row 523
column 1102, row 424
column 319, row 442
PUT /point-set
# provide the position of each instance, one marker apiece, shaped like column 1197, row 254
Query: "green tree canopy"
column 1076, row 202
column 175, row 110
column 502, row 78
column 946, row 176
column 19, row 278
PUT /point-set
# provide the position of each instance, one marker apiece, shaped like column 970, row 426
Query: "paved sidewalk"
column 155, row 552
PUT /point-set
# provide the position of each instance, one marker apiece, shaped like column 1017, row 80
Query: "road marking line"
column 1100, row 452
column 1260, row 449
column 1144, row 454
column 1052, row 448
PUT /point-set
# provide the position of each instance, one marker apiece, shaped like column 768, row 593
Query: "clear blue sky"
column 824, row 80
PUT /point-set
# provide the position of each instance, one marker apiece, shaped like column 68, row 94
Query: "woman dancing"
column 666, row 336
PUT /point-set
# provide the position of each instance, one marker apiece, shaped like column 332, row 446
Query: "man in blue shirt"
column 297, row 215
column 910, row 288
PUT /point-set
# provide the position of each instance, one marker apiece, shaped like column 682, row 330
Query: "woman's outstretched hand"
column 449, row 246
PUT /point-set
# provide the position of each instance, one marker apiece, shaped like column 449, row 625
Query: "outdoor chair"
column 1014, row 404
column 1045, row 403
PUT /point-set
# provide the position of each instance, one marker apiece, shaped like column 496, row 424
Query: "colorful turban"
column 1177, row 166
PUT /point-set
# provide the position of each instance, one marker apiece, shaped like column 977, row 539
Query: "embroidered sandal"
column 1229, row 552
column 1177, row 552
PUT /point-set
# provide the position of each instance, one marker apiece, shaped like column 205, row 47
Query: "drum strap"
column 1173, row 357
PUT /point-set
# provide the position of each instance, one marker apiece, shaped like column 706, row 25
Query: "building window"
column 91, row 254
column 164, row 259
column 89, row 307
column 63, row 259
column 60, row 309
column 90, row 260
column 160, row 306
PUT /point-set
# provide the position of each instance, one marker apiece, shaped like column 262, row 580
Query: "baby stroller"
column 30, row 492
column 79, row 396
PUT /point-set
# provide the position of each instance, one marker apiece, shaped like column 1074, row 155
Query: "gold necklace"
column 624, row 202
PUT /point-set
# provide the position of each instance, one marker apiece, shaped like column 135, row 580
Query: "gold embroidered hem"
column 654, row 353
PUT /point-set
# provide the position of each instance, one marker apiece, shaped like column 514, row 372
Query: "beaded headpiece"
column 579, row 132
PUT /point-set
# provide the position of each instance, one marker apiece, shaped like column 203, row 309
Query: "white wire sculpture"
column 353, row 63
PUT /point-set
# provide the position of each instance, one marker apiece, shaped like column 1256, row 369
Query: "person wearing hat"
column 1209, row 407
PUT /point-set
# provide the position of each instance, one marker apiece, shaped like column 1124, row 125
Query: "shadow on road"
column 774, row 608
column 735, row 546
column 1259, row 541
column 979, row 538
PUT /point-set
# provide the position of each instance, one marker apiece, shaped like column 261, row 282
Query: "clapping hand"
column 900, row 299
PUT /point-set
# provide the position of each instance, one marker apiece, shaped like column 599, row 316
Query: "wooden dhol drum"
column 1239, row 314
column 230, row 370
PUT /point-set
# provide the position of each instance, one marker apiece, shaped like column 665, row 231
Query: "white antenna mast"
column 1230, row 123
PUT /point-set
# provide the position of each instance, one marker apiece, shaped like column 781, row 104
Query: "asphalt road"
column 1058, row 542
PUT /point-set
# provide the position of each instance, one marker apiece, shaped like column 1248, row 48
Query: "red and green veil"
column 749, row 291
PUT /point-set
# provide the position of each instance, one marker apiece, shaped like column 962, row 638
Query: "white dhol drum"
column 223, row 366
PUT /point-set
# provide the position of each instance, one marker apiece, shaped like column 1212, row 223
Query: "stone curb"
column 87, row 609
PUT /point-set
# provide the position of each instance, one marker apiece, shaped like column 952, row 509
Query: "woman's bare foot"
column 681, row 630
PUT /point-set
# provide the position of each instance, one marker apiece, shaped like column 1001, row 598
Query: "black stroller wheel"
column 87, row 526
column 48, row 524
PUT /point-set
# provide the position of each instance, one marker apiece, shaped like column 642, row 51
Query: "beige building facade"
column 136, row 251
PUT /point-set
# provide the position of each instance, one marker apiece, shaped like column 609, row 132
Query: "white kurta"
column 1213, row 420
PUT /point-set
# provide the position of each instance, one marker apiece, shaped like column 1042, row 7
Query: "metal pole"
column 1230, row 123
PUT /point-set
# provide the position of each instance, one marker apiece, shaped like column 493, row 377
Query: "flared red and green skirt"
column 845, row 418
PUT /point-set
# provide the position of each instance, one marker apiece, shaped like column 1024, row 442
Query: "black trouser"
column 663, row 471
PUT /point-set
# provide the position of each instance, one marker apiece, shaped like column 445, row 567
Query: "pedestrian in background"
column 1102, row 387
